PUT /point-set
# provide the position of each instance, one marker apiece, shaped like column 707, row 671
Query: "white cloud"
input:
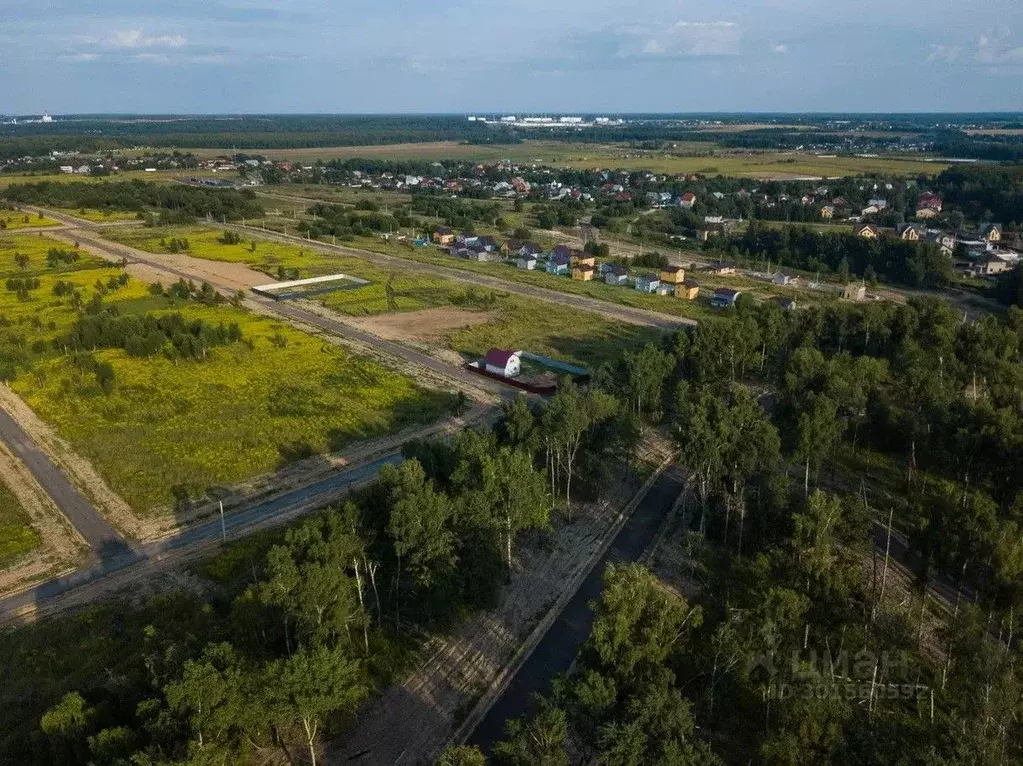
column 780, row 48
column 684, row 38
column 81, row 56
column 945, row 54
column 136, row 38
column 995, row 47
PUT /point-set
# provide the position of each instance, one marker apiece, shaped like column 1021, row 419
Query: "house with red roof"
column 502, row 362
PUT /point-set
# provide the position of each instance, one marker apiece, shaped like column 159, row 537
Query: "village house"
column 673, row 275
column 925, row 213
column 929, row 201
column 501, row 362
column 724, row 297
column 580, row 258
column 557, row 264
column 687, row 201
column 827, row 212
column 647, row 283
column 990, row 265
column 665, row 289
column 866, row 230
column 688, row 290
column 877, row 202
column 583, row 272
column 783, row 279
column 992, row 232
column 723, row 268
column 855, row 291
column 527, row 262
column 911, row 232
column 616, row 275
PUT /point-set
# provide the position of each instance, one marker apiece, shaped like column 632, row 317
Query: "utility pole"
column 223, row 527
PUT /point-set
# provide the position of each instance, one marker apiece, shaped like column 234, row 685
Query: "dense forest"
column 788, row 638
column 175, row 203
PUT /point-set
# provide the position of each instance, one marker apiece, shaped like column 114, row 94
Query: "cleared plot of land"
column 563, row 332
column 12, row 220
column 171, row 425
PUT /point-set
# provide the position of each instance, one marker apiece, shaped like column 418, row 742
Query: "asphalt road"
column 129, row 565
column 559, row 647
column 101, row 537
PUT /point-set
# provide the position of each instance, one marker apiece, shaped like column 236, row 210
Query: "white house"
column 502, row 362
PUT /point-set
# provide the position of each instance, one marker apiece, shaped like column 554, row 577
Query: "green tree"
column 537, row 740
column 312, row 685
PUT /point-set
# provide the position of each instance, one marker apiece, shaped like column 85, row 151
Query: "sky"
column 514, row 56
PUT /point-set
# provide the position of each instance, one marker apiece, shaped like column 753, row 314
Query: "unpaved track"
column 195, row 270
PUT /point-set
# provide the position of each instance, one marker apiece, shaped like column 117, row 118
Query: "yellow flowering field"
column 35, row 248
column 411, row 291
column 11, row 220
column 276, row 396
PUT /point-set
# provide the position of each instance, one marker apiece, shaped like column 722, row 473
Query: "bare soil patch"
column 424, row 325
column 235, row 276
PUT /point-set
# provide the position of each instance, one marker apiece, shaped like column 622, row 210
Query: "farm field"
column 691, row 157
column 568, row 333
column 170, row 425
column 17, row 536
column 12, row 220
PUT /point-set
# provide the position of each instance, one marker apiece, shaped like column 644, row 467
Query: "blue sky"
column 73, row 56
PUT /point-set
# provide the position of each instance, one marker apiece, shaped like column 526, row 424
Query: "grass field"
column 12, row 220
column 17, row 537
column 567, row 333
column 159, row 175
column 684, row 158
column 250, row 407
column 36, row 249
column 101, row 216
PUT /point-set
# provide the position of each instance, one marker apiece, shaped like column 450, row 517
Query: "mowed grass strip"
column 17, row 536
column 248, row 408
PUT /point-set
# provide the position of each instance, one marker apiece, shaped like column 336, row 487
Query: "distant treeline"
column 256, row 132
column 175, row 201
